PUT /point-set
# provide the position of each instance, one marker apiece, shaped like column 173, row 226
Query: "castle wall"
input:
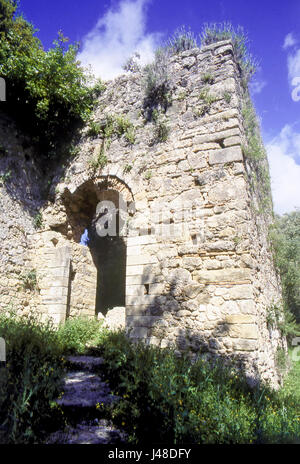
column 199, row 273
column 20, row 199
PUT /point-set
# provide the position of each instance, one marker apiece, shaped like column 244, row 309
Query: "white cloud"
column 116, row 36
column 285, row 172
column 289, row 41
column 257, row 85
column 294, row 65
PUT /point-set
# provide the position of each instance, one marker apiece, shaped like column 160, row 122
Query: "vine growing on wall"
column 256, row 156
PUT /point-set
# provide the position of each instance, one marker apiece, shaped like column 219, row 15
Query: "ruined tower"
column 189, row 263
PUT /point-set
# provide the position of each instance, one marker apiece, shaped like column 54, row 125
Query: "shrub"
column 29, row 280
column 207, row 78
column 48, row 92
column 75, row 333
column 4, row 178
column 181, row 40
column 166, row 399
column 215, row 32
column 161, row 131
column 94, row 129
column 285, row 240
column 31, row 380
column 38, row 221
column 158, row 83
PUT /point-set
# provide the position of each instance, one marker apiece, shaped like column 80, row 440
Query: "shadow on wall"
column 166, row 322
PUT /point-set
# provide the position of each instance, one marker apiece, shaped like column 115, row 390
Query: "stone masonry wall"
column 199, row 273
column 20, row 199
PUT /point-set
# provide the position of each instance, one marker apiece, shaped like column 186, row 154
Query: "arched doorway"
column 108, row 249
column 97, row 215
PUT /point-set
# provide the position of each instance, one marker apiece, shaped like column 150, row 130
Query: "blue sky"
column 110, row 31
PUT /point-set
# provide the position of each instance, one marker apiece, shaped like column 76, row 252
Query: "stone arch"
column 81, row 202
column 104, row 257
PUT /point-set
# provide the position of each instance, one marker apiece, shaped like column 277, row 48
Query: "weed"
column 38, row 221
column 148, row 175
column 214, row 32
column 207, row 78
column 161, row 131
column 127, row 168
column 181, row 41
column 227, row 97
column 256, row 155
column 206, row 97
column 78, row 332
column 29, row 280
column 281, row 359
column 130, row 135
column 101, row 159
column 32, row 379
column 94, row 129
column 5, row 177
column 168, row 399
column 158, row 83
column 282, row 319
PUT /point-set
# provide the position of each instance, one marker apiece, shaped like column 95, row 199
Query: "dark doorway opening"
column 109, row 253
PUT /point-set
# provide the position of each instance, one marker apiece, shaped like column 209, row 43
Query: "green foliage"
column 38, row 221
column 130, row 135
column 48, row 92
column 114, row 125
column 75, row 333
column 256, row 156
column 227, row 97
column 94, row 129
column 215, row 32
column 285, row 240
column 101, row 160
column 281, row 318
column 161, row 130
column 207, row 78
column 291, row 386
column 127, row 168
column 167, row 399
column 206, row 97
column 158, row 83
column 148, row 175
column 207, row 100
column 31, row 380
column 181, row 40
column 4, row 178
column 281, row 359
column 29, row 280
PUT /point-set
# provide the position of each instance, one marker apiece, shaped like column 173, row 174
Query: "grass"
column 167, row 399
column 291, row 385
column 163, row 398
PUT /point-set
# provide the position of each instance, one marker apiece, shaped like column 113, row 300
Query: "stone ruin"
column 189, row 262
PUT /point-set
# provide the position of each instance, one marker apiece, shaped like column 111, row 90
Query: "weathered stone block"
column 244, row 345
column 247, row 331
column 239, row 319
column 226, row 155
column 222, row 275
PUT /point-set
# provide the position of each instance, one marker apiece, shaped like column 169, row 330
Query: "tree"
column 286, row 243
column 48, row 92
